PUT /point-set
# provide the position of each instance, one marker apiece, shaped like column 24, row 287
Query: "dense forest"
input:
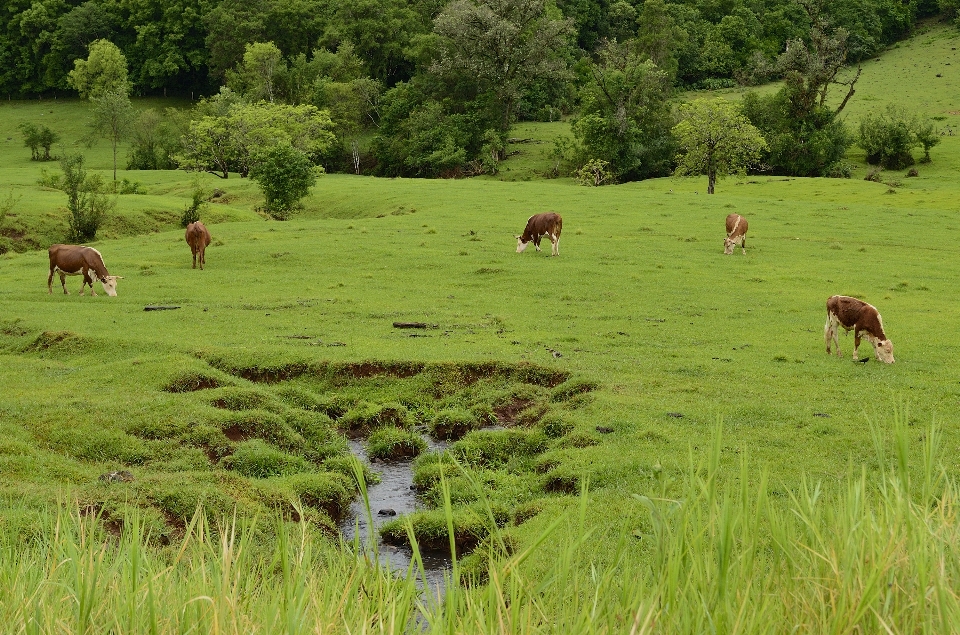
column 430, row 88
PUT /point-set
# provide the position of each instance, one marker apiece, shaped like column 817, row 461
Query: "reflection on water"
column 393, row 492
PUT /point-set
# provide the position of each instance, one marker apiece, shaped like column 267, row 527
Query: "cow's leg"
column 63, row 283
column 536, row 242
column 856, row 344
column 556, row 244
column 194, row 258
column 203, row 258
column 743, row 245
column 50, row 281
column 827, row 334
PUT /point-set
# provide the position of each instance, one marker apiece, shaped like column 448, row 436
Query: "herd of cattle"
column 842, row 311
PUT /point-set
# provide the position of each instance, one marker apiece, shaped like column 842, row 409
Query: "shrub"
column 889, row 137
column 87, row 201
column 453, row 423
column 38, row 138
column 257, row 459
column 285, row 174
column 390, row 444
column 191, row 213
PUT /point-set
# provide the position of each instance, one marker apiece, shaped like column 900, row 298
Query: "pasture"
column 641, row 302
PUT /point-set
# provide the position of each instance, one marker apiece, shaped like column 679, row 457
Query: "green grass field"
column 266, row 346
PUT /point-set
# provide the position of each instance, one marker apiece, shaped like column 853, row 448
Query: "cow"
column 198, row 238
column 77, row 260
column 546, row 224
column 863, row 318
column 736, row 234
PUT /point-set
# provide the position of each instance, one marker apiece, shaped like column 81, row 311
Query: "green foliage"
column 198, row 202
column 236, row 135
column 889, row 137
column 38, row 138
column 367, row 416
column 624, row 120
column 87, row 200
column 112, row 119
column 391, row 444
column 501, row 48
column 257, row 459
column 256, row 77
column 285, row 175
column 155, row 139
column 104, row 72
column 497, row 448
column 715, row 139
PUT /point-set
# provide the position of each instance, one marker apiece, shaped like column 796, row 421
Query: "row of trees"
column 489, row 61
column 192, row 44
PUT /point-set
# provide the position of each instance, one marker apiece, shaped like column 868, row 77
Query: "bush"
column 390, row 444
column 191, row 213
column 87, row 200
column 285, row 174
column 888, row 138
column 155, row 139
column 453, row 423
column 257, row 459
column 38, row 138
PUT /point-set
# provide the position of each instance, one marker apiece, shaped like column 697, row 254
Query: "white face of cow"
column 728, row 245
column 521, row 245
column 110, row 284
column 884, row 350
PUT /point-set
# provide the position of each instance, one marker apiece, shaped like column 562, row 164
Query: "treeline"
column 430, row 87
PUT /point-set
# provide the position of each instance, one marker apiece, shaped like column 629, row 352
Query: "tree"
column 285, row 174
column 624, row 117
column 258, row 72
column 104, row 71
column 715, row 139
column 155, row 139
column 36, row 138
column 87, row 201
column 888, row 138
column 502, row 46
column 112, row 117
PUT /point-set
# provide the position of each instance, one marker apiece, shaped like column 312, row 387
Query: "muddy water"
column 393, row 492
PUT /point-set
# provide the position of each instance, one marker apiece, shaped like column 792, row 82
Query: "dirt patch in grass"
column 507, row 413
column 236, row 434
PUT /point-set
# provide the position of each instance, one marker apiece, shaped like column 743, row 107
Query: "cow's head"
column 521, row 245
column 728, row 245
column 884, row 350
column 110, row 284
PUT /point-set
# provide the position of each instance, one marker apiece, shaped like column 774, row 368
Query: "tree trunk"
column 114, row 158
column 711, row 173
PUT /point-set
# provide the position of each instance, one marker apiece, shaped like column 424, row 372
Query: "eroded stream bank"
column 393, row 496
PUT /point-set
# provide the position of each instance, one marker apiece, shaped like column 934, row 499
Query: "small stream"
column 393, row 492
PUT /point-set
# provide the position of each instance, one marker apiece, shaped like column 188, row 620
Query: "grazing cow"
column 77, row 260
column 198, row 238
column 863, row 318
column 736, row 234
column 546, row 224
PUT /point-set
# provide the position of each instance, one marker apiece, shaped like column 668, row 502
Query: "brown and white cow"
column 198, row 238
column 736, row 234
column 77, row 260
column 546, row 224
column 863, row 318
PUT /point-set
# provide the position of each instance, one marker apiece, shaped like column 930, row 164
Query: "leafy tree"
column 38, row 138
column 237, row 139
column 285, row 174
column 87, row 200
column 888, row 138
column 502, row 46
column 624, row 119
column 112, row 118
column 262, row 62
column 659, row 37
column 104, row 71
column 155, row 139
column 715, row 139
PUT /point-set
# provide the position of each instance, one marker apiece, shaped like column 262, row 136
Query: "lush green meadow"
column 262, row 362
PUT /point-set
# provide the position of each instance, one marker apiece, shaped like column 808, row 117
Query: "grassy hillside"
column 614, row 361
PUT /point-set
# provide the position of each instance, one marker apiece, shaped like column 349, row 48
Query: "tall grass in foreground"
column 877, row 555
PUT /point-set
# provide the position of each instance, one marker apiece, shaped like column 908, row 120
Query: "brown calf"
column 77, row 260
column 547, row 224
column 863, row 318
column 736, row 234
column 198, row 238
